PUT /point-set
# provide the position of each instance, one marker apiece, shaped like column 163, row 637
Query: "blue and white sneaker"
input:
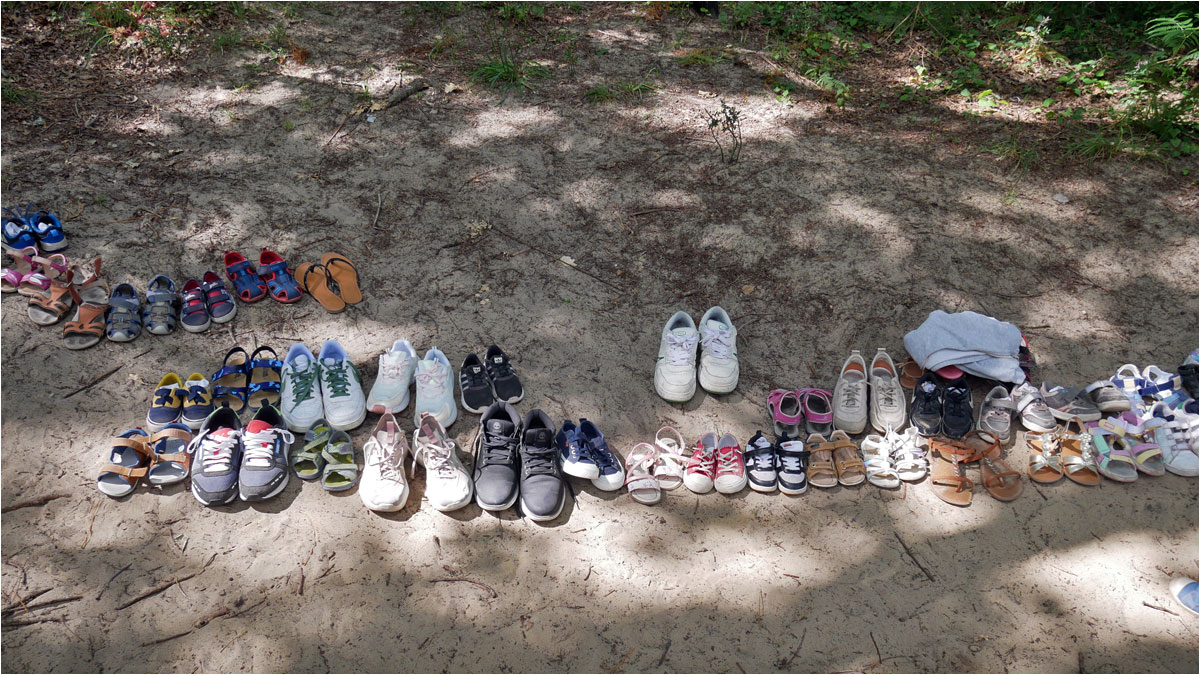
column 611, row 475
column 217, row 458
column 48, row 230
column 17, row 232
column 264, row 471
column 761, row 464
column 574, row 454
column 1187, row 593
column 341, row 388
column 300, row 391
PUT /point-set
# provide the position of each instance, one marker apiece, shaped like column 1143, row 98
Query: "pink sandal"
column 45, row 271
column 22, row 267
column 786, row 413
column 818, row 410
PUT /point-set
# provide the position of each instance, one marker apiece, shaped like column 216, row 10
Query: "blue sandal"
column 161, row 314
column 231, row 381
column 247, row 283
column 274, row 270
column 265, row 377
column 124, row 314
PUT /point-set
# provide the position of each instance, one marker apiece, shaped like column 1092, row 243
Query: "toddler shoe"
column 995, row 413
column 48, row 230
column 161, row 313
column 1068, row 403
column 761, row 464
column 1107, row 397
column 249, row 286
column 217, row 300
column 124, row 321
column 474, row 385
column 194, row 312
column 17, row 232
column 197, row 401
column 1032, row 408
column 574, row 454
column 958, row 413
column 730, row 466
column 273, row 269
column 928, row 405
column 397, row 365
column 702, row 468
column 718, row 352
column 786, row 414
column 167, row 404
column 610, row 474
column 793, row 466
column 505, row 384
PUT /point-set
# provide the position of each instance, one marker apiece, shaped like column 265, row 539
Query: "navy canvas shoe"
column 610, row 473
column 574, row 454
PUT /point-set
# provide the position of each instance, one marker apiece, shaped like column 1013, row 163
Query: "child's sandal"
column 50, row 307
column 124, row 314
column 265, row 379
column 171, row 460
column 340, row 472
column 161, row 314
column 91, row 297
column 128, row 462
column 308, row 463
column 249, row 286
column 274, row 270
column 231, row 381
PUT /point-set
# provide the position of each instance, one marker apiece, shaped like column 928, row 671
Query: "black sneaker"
column 496, row 457
column 761, row 464
column 927, row 405
column 474, row 384
column 793, row 465
column 958, row 415
column 542, row 490
column 504, row 379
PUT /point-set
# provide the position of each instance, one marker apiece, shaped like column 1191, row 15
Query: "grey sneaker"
column 850, row 395
column 543, row 493
column 887, row 398
column 216, row 456
column 1068, row 402
column 1107, row 397
column 496, row 457
column 266, row 442
column 996, row 413
column 1032, row 408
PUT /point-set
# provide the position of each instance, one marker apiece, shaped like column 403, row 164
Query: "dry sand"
column 848, row 235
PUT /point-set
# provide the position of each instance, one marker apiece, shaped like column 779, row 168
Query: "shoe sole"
column 879, row 426
column 51, row 248
column 793, row 491
column 154, row 428
column 1003, row 439
column 458, row 505
column 346, row 426
column 562, row 501
column 194, row 425
column 497, row 507
column 702, row 489
column 446, row 424
column 473, row 411
column 282, row 484
column 385, row 508
column 729, row 491
column 673, row 398
column 384, row 407
column 1066, row 417
column 1115, row 406
column 763, row 488
column 1037, row 429
column 849, row 428
column 201, row 499
column 196, row 329
column 570, row 469
column 227, row 318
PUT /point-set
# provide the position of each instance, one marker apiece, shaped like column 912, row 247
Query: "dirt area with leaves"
column 837, row 229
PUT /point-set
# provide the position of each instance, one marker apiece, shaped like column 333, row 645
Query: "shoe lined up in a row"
column 676, row 373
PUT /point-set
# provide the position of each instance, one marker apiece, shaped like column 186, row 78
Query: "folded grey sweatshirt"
column 977, row 344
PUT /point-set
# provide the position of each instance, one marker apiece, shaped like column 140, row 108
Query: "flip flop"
column 947, row 474
column 314, row 279
column 345, row 275
column 1001, row 482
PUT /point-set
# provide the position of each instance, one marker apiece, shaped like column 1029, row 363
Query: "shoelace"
column 497, row 449
column 887, row 393
column 437, row 458
column 470, row 379
column 762, row 458
column 163, row 396
column 850, row 393
column 384, row 457
column 538, row 462
column 260, row 445
column 728, row 460
column 718, row 342
column 302, row 384
column 433, row 382
column 603, row 458
column 957, row 401
column 197, row 393
column 929, row 403
column 701, row 461
column 681, row 351
column 392, row 370
column 500, row 370
column 216, row 454
column 337, row 380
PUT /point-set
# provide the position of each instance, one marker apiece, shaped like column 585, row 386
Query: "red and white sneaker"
column 731, row 466
column 698, row 477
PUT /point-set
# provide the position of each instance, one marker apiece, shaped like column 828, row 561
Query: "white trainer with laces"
column 396, row 368
column 718, row 352
column 435, row 389
column 675, row 371
column 383, row 486
column 887, row 409
column 341, row 388
column 448, row 486
column 850, row 395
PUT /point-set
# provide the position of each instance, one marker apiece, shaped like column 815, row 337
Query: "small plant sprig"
column 726, row 122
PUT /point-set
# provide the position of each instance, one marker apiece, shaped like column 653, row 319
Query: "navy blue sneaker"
column 543, row 490
column 611, row 475
column 927, row 405
column 761, row 464
column 217, row 458
column 573, row 452
column 17, row 232
column 197, row 401
column 48, row 230
column 793, row 465
column 264, row 471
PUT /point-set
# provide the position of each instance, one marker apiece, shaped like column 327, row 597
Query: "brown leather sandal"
column 345, row 275
column 822, row 472
column 170, row 461
column 947, row 471
column 50, row 306
column 87, row 328
column 314, row 279
column 910, row 373
column 129, row 461
column 1001, row 482
column 849, row 466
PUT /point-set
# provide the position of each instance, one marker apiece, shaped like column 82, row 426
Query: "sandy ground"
column 849, row 235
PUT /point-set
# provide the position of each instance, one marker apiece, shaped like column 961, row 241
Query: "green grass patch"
column 707, row 56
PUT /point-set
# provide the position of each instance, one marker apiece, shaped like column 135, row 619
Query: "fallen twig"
column 913, row 557
column 45, row 603
column 300, row 590
column 799, row 646
column 106, row 375
column 17, row 623
column 665, row 208
column 469, row 581
column 111, row 579
column 164, row 586
column 87, row 536
column 378, row 208
column 30, row 597
column 663, row 658
column 247, row 609
column 412, row 88
column 1161, row 609
column 480, row 175
column 169, row 637
column 40, row 501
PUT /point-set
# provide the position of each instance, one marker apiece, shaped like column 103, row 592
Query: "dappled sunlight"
column 503, row 123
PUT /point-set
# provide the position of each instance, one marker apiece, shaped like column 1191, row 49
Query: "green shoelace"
column 336, row 379
column 302, row 384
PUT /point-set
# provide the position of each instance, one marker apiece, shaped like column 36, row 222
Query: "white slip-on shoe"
column 718, row 352
column 435, row 389
column 675, row 371
column 396, row 368
column 341, row 388
column 300, row 390
column 850, row 395
column 383, row 486
column 887, row 409
column 448, row 486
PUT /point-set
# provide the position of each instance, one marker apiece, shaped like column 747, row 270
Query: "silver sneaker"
column 1032, row 408
column 1069, row 402
column 996, row 413
column 1107, row 397
column 850, row 395
column 887, row 397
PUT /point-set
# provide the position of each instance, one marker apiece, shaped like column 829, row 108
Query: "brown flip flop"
column 1045, row 455
column 1079, row 454
column 910, row 373
column 345, row 275
column 314, row 280
column 1001, row 482
column 947, row 473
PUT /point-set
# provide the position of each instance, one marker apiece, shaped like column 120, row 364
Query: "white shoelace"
column 437, row 458
column 727, row 461
column 385, row 458
column 216, row 454
column 392, row 370
column 789, row 463
column 681, row 351
column 718, row 342
column 432, row 382
column 258, row 445
column 886, row 393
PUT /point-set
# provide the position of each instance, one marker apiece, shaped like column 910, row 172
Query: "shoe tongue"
column 928, row 387
column 330, row 362
column 394, row 357
column 253, row 427
column 426, row 365
column 301, row 362
column 256, row 426
column 683, row 332
column 197, row 383
column 539, row 438
column 500, row 427
column 713, row 324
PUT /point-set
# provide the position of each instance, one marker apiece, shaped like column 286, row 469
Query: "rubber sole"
column 282, row 484
column 497, row 507
column 154, row 428
column 562, row 501
column 458, row 505
column 385, row 508
column 388, row 406
column 700, row 489
column 763, row 488
column 728, row 490
column 196, row 329
column 573, row 469
column 446, row 424
column 473, row 411
column 201, row 499
column 792, row 491
column 227, row 318
column 346, row 426
column 51, row 248
column 879, row 426
column 1066, row 417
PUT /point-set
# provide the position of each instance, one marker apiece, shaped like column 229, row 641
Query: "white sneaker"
column 850, row 395
column 396, row 368
column 718, row 352
column 383, row 486
column 675, row 371
column 435, row 389
column 447, row 484
column 300, row 391
column 887, row 409
column 341, row 388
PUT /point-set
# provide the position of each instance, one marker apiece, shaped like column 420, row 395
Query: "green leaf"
column 1047, row 103
column 965, row 93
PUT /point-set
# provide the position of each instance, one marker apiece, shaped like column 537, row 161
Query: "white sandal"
column 643, row 487
column 909, row 458
column 668, row 469
column 877, row 455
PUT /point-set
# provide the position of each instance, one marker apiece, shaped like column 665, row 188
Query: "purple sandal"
column 1114, row 458
column 786, row 414
column 818, row 410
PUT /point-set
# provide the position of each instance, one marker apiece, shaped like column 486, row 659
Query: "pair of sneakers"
column 516, row 459
column 176, row 400
column 482, row 383
column 782, row 465
column 398, row 368
column 326, row 387
column 884, row 406
column 675, row 374
column 384, row 487
column 942, row 407
column 229, row 462
column 716, row 462
column 585, row 454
